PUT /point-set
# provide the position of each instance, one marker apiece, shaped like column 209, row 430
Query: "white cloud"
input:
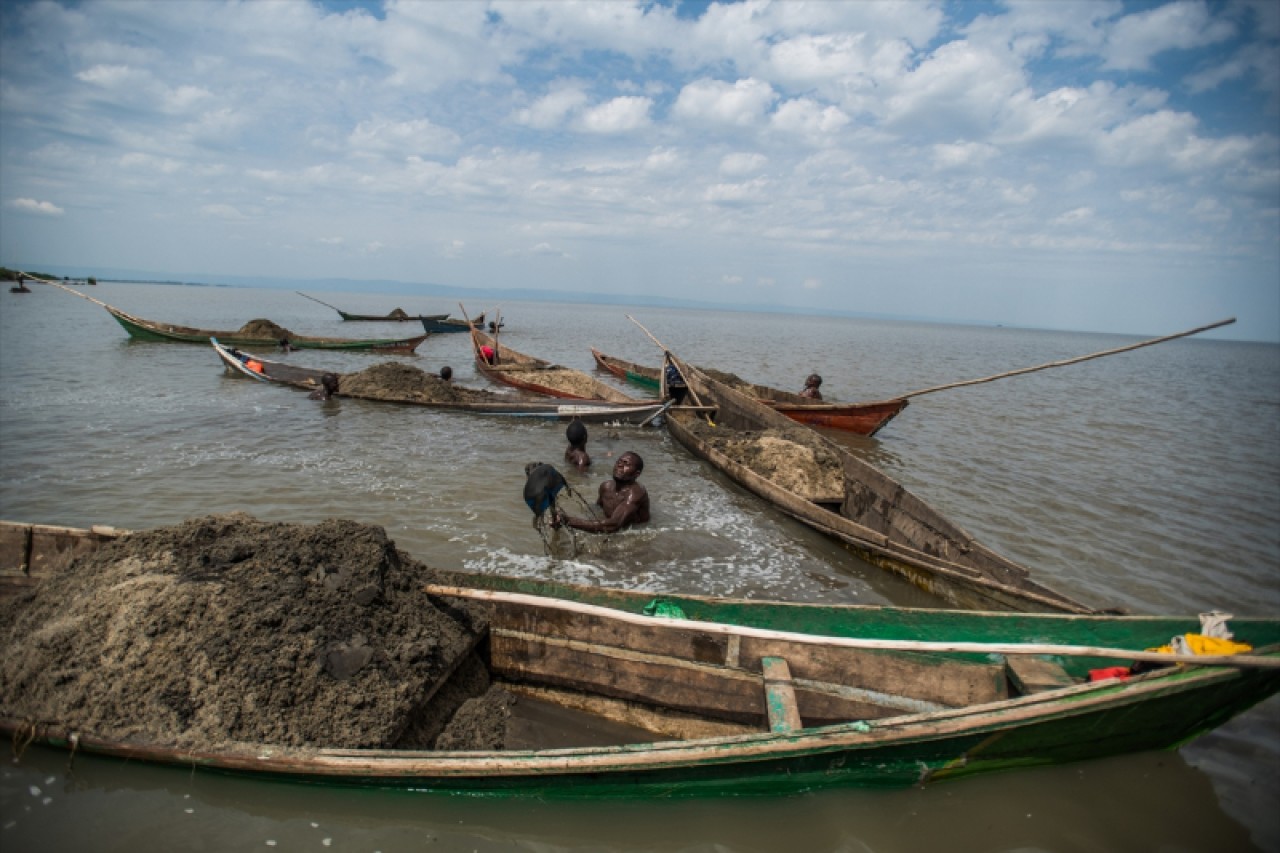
column 1136, row 39
column 30, row 205
column 742, row 163
column 741, row 103
column 617, row 116
column 961, row 154
column 551, row 110
column 807, row 118
column 417, row 137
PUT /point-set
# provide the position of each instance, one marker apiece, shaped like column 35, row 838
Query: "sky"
column 1096, row 166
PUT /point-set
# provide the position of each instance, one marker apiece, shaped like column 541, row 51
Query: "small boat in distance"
column 396, row 315
column 446, row 324
column 859, row 418
column 647, row 695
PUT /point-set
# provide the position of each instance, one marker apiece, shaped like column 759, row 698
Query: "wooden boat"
column 439, row 325
column 871, row 513
column 513, row 368
column 396, row 315
column 860, row 418
column 476, row 401
column 148, row 330
column 730, row 697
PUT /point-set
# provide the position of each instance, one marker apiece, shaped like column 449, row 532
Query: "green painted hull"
column 145, row 330
column 1162, row 714
column 1160, row 709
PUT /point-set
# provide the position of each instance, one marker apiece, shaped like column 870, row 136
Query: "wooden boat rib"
column 396, row 316
column 482, row 402
column 871, row 513
column 796, row 697
column 860, row 418
column 529, row 373
column 148, row 330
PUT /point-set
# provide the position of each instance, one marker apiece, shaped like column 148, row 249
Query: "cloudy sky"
column 1103, row 166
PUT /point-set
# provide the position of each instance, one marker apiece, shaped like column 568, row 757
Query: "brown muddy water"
column 1148, row 480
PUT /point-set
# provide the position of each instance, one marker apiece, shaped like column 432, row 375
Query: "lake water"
column 1148, row 480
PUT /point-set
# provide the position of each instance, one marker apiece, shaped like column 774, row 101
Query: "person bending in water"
column 576, row 453
column 328, row 387
column 624, row 501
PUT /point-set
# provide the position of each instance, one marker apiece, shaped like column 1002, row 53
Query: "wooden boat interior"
column 588, row 675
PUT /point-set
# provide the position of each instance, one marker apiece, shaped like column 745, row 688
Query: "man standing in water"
column 576, row 453
column 624, row 501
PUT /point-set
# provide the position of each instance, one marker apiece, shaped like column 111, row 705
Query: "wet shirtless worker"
column 624, row 501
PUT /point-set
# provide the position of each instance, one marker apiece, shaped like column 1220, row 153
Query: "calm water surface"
column 1148, row 480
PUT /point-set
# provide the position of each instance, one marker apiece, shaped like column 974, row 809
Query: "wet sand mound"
column 226, row 629
column 264, row 329
column 806, row 468
column 403, row 382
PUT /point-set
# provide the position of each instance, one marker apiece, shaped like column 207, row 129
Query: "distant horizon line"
column 395, row 287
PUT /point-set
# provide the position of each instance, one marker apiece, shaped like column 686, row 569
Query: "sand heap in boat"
column 397, row 381
column 225, row 629
column 807, row 468
column 264, row 329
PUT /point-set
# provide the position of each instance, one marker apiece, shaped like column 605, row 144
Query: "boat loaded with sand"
column 404, row 384
column 396, row 315
column 823, row 485
column 529, row 373
column 599, row 692
column 255, row 333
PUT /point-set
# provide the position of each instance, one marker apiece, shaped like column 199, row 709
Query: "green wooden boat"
column 753, row 697
column 267, row 334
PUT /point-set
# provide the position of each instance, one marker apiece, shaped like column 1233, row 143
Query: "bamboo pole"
column 1242, row 661
column 1065, row 362
column 313, row 299
column 668, row 356
column 68, row 290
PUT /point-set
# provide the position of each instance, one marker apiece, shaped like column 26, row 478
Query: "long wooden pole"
column 1075, row 360
column 667, row 353
column 1243, row 661
column 67, row 289
column 313, row 299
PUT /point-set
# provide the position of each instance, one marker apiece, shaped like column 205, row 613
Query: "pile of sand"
column 807, row 468
column 399, row 314
column 226, row 629
column 264, row 329
column 396, row 381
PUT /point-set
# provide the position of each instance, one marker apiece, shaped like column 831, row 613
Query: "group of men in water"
column 622, row 498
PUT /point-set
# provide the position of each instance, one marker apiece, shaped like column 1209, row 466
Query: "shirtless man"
column 811, row 385
column 624, row 501
column 576, row 453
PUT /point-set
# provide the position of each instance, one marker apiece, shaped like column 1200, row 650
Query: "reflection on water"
column 1098, row 806
column 1149, row 480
